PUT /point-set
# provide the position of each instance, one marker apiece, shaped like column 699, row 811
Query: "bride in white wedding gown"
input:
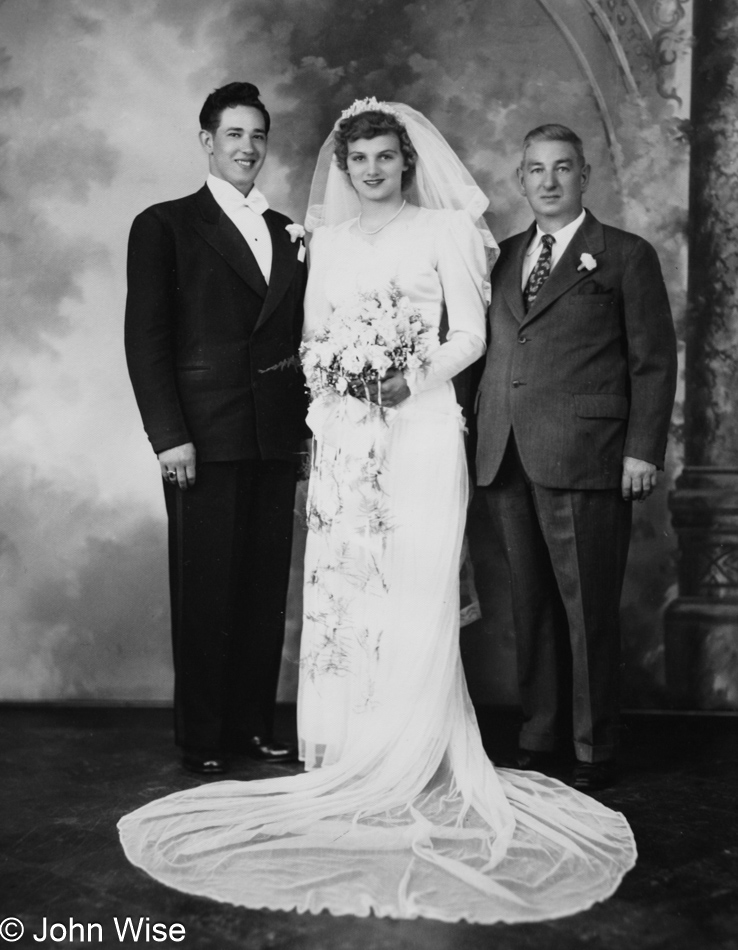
column 400, row 812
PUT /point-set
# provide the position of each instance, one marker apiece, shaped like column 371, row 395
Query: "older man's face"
column 553, row 179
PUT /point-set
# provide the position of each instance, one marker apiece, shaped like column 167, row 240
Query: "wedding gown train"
column 400, row 812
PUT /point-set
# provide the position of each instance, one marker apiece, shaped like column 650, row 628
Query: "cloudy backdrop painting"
column 99, row 102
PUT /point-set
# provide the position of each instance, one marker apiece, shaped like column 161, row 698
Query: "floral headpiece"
column 369, row 105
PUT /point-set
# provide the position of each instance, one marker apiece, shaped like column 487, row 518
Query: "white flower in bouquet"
column 352, row 361
column 414, row 361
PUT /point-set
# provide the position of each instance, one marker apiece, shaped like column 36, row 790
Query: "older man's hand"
column 639, row 479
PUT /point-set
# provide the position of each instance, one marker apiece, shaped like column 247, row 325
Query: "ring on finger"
column 172, row 476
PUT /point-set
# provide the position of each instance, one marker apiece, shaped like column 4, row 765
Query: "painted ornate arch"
column 641, row 41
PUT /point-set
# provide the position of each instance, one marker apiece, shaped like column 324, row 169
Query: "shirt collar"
column 229, row 196
column 563, row 235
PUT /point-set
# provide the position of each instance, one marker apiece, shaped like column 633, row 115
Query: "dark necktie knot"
column 540, row 272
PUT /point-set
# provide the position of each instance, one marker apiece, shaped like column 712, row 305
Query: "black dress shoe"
column 268, row 750
column 592, row 776
column 530, row 760
column 204, row 764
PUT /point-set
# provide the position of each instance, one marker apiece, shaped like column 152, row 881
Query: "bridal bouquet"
column 379, row 330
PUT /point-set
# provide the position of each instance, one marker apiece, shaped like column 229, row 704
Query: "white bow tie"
column 257, row 202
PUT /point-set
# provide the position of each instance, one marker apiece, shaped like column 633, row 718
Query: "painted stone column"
column 701, row 626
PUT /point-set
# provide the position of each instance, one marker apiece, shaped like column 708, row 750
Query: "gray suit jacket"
column 588, row 375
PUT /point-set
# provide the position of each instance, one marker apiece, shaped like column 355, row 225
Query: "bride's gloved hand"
column 394, row 389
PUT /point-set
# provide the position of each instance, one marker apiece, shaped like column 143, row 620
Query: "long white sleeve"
column 462, row 269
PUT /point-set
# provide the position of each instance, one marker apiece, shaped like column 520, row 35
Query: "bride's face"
column 375, row 167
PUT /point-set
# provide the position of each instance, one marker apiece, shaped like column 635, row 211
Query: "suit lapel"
column 224, row 237
column 590, row 238
column 284, row 262
column 511, row 277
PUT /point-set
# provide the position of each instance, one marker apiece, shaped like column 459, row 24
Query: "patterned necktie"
column 540, row 272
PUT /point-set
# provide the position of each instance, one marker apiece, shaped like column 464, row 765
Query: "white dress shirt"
column 562, row 239
column 248, row 216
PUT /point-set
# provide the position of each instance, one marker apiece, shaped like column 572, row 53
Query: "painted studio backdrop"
column 99, row 102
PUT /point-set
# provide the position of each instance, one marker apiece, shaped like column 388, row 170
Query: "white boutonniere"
column 587, row 262
column 297, row 233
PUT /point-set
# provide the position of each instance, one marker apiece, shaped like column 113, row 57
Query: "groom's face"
column 238, row 147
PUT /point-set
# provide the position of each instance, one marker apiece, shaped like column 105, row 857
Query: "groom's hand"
column 178, row 465
column 394, row 389
column 639, row 479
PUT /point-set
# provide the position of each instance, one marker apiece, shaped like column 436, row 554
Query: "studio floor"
column 69, row 773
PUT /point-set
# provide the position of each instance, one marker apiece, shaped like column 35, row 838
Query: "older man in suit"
column 574, row 409
column 213, row 325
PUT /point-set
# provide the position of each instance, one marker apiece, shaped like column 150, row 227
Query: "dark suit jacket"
column 588, row 375
column 211, row 350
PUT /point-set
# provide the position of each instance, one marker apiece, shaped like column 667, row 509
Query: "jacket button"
column 522, row 339
column 517, row 382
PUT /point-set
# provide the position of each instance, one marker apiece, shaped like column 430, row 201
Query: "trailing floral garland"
column 347, row 511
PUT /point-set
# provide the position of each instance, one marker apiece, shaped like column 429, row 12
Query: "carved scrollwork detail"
column 651, row 42
column 668, row 13
column 668, row 43
column 624, row 26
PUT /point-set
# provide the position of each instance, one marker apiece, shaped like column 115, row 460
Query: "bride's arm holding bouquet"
column 463, row 272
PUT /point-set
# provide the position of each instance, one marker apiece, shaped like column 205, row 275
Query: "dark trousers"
column 567, row 552
column 230, row 543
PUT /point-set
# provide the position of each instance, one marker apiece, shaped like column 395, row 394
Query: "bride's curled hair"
column 368, row 125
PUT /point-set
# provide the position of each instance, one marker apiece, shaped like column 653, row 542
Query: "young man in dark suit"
column 574, row 410
column 213, row 324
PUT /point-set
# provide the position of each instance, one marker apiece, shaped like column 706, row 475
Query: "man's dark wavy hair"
column 234, row 94
column 368, row 125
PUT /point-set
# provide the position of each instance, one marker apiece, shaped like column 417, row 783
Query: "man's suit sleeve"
column 652, row 358
column 150, row 328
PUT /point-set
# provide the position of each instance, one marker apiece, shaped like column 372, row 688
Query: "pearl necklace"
column 389, row 221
